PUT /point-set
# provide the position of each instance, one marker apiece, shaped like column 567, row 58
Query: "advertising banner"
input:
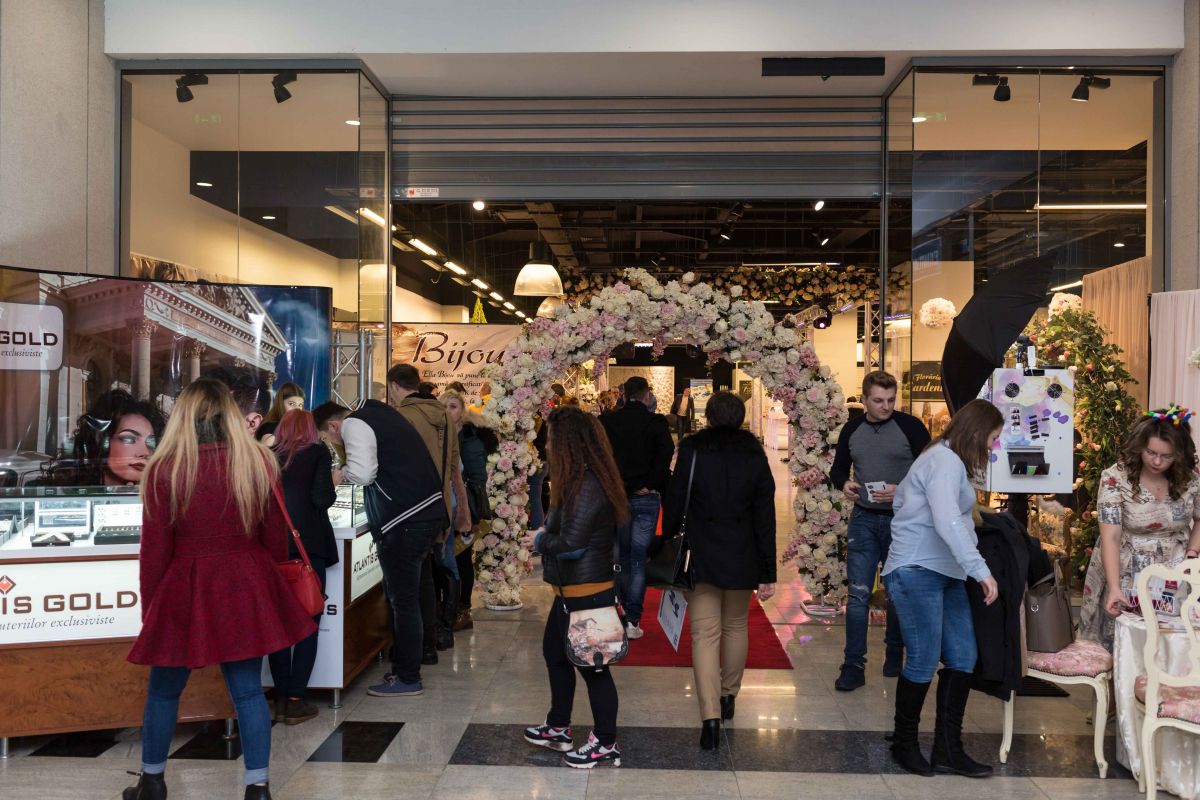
column 31, row 337
column 63, row 601
column 446, row 351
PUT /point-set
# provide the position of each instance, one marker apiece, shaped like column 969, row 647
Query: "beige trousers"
column 719, row 643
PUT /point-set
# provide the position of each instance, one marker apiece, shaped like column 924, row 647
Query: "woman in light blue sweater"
column 934, row 550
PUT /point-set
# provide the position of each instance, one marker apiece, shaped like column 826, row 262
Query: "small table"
column 1178, row 752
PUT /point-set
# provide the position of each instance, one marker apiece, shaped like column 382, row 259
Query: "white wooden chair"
column 1165, row 700
column 1081, row 662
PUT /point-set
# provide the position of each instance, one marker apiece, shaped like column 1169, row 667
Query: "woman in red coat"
column 212, row 533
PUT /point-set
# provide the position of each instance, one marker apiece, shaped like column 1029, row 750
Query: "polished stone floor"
column 793, row 736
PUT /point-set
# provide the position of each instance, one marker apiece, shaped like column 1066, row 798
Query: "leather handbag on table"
column 1048, row 627
column 671, row 566
column 298, row 572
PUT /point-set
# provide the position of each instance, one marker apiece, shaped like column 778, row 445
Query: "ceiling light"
column 399, row 245
column 424, row 248
column 1066, row 286
column 455, row 268
column 919, row 119
column 1089, row 207
column 509, row 306
column 549, row 306
column 817, row 206
column 521, row 314
column 367, row 213
column 479, row 205
column 279, row 82
column 824, row 321
column 1081, row 92
column 479, row 283
column 204, row 184
column 824, row 239
column 499, row 298
column 353, row 122
column 1002, row 94
column 461, row 281
column 725, row 236
column 1118, row 244
column 985, row 80
column 435, row 266
column 182, row 93
column 538, row 278
column 268, row 217
column 343, row 213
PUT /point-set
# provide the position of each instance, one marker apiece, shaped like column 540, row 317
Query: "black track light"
column 1082, row 92
column 280, row 81
column 824, row 321
column 184, row 94
column 1002, row 94
column 985, row 80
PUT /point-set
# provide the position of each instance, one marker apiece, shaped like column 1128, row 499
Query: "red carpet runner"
column 653, row 649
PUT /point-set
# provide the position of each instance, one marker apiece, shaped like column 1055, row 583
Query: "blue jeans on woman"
column 243, row 679
column 935, row 621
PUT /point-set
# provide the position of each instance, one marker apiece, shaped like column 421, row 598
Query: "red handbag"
column 298, row 572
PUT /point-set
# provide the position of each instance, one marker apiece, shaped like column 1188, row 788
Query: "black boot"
column 948, row 755
column 149, row 787
column 447, row 612
column 710, row 734
column 429, row 655
column 727, row 701
column 906, row 750
column 258, row 792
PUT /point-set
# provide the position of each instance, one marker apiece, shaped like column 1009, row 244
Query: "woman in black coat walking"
column 308, row 479
column 731, row 531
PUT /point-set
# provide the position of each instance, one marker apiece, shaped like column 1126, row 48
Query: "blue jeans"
column 935, row 620
column 868, row 539
column 633, row 540
column 243, row 679
column 537, row 514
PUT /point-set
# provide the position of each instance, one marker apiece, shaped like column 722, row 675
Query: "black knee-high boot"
column 906, row 750
column 954, row 687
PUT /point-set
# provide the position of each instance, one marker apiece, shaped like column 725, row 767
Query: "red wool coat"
column 210, row 593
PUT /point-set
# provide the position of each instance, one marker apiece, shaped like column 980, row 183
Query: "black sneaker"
column 594, row 754
column 550, row 738
column 850, row 679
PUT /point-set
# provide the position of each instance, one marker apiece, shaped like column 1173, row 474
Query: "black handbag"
column 477, row 502
column 671, row 566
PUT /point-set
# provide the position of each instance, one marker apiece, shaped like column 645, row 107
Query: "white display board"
column 365, row 570
column 63, row 601
column 671, row 612
column 1035, row 452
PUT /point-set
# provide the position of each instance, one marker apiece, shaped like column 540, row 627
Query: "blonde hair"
column 206, row 413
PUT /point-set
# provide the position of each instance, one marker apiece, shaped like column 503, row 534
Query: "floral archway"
column 639, row 308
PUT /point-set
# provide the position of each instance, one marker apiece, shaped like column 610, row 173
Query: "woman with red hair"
column 308, row 480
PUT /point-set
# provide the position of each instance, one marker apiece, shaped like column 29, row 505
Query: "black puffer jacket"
column 731, row 521
column 577, row 546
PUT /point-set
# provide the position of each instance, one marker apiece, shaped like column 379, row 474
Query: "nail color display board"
column 1035, row 452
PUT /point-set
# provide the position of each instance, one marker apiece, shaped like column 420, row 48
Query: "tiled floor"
column 793, row 737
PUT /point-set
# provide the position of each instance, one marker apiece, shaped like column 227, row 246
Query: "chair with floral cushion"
column 1166, row 700
column 1081, row 662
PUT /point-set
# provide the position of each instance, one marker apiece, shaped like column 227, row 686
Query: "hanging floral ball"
column 937, row 313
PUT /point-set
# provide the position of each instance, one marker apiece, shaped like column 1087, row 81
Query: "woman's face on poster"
column 129, row 447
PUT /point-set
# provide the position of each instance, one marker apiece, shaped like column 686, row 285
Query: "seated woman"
column 1148, row 512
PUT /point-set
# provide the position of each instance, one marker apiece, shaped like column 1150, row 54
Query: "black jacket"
column 308, row 493
column 577, row 546
column 642, row 444
column 1008, row 551
column 731, row 519
column 912, row 428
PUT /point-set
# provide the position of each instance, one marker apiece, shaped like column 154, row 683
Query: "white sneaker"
column 633, row 631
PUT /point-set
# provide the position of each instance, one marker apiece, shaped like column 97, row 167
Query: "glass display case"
column 60, row 521
column 348, row 510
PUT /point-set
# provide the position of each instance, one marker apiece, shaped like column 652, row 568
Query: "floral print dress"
column 1153, row 531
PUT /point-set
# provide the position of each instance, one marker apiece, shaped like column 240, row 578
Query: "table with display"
column 70, row 608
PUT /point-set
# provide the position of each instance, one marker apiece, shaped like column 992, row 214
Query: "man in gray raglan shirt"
column 880, row 446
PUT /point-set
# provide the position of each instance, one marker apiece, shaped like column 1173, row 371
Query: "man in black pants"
column 405, row 510
column 880, row 445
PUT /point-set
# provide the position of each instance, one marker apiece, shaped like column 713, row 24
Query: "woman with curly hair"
column 1148, row 513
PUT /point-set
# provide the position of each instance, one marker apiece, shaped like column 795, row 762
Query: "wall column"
column 193, row 351
column 139, row 366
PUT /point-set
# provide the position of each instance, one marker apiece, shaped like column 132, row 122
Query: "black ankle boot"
column 710, row 734
column 429, row 655
column 948, row 757
column 906, row 750
column 257, row 792
column 727, row 706
column 149, row 787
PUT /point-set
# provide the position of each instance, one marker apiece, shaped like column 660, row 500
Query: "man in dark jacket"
column 880, row 445
column 642, row 444
column 406, row 512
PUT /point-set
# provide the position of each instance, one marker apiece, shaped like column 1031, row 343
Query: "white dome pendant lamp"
column 549, row 306
column 538, row 278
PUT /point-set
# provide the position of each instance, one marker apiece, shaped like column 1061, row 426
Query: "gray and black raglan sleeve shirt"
column 877, row 451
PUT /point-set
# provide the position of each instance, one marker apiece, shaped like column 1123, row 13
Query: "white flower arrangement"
column 1064, row 302
column 937, row 313
column 640, row 308
column 1194, row 358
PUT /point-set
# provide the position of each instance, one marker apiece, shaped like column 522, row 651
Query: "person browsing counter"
column 880, row 445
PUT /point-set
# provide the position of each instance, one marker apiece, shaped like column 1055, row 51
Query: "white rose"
column 736, row 291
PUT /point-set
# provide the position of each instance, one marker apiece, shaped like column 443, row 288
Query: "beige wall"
column 836, row 347
column 57, row 137
column 411, row 307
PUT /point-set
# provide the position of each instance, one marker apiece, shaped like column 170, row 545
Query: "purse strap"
column 687, row 500
column 288, row 519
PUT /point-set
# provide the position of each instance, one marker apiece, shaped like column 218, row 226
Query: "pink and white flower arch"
column 639, row 308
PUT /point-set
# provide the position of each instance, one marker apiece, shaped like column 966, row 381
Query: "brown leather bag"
column 1048, row 627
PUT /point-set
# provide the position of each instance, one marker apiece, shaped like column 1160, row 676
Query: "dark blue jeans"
column 291, row 667
column 633, row 540
column 244, row 681
column 402, row 554
column 935, row 620
column 868, row 539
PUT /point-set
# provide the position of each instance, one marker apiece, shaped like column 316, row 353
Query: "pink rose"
column 504, row 464
column 740, row 334
column 621, row 287
column 814, row 394
column 504, row 510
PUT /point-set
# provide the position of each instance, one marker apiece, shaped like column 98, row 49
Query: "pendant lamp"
column 538, row 278
column 549, row 306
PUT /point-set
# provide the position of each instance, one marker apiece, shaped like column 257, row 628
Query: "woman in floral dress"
column 1148, row 512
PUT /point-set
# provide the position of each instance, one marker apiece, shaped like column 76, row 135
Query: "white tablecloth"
column 1178, row 752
